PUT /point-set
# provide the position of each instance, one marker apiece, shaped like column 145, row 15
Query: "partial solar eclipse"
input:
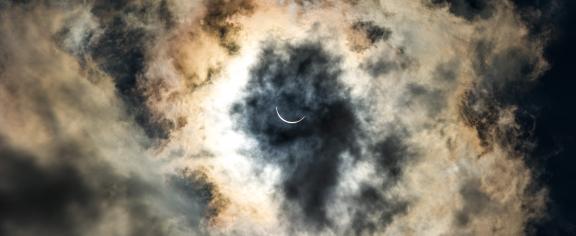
column 287, row 121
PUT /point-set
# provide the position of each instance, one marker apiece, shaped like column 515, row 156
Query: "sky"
column 416, row 117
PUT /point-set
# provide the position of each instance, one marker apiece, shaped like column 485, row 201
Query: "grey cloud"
column 38, row 199
column 391, row 154
column 304, row 79
column 373, row 32
column 91, row 162
column 475, row 203
column 447, row 72
column 467, row 9
column 121, row 51
column 89, row 175
column 366, row 34
column 69, row 196
column 374, row 211
column 431, row 99
column 194, row 189
column 373, row 208
column 379, row 65
column 217, row 21
column 301, row 80
column 504, row 80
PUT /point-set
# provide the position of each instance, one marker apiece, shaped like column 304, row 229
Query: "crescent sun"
column 287, row 121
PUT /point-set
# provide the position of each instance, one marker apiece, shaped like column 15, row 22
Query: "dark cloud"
column 30, row 4
column 41, row 199
column 546, row 129
column 304, row 80
column 165, row 14
column 505, row 78
column 217, row 20
column 467, row 9
column 306, row 3
column 447, row 72
column 391, row 155
column 374, row 211
column 433, row 100
column 373, row 32
column 195, row 189
column 379, row 65
column 68, row 186
column 365, row 34
column 310, row 2
column 68, row 196
column 475, row 203
column 74, row 191
column 301, row 80
column 121, row 52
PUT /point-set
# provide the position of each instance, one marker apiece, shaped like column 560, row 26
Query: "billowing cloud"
column 159, row 117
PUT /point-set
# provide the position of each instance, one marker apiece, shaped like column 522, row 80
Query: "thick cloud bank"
column 420, row 117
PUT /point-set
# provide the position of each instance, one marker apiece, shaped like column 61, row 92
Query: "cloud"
column 365, row 34
column 301, row 80
column 482, row 104
column 74, row 160
column 158, row 118
column 74, row 195
column 467, row 9
column 217, row 22
column 25, row 205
